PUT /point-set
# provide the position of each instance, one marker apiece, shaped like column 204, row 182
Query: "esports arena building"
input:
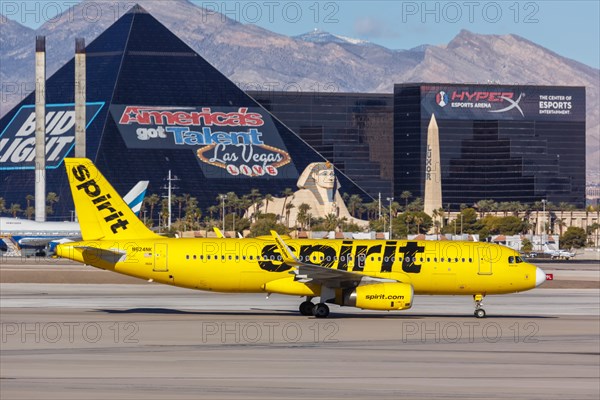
column 154, row 105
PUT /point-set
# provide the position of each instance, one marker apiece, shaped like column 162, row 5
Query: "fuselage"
column 248, row 265
column 36, row 234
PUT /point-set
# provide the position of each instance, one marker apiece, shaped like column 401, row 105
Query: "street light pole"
column 544, row 224
column 390, row 199
column 223, row 202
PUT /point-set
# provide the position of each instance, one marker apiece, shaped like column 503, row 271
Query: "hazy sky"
column 569, row 28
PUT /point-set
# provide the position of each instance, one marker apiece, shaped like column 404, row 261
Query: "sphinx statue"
column 319, row 188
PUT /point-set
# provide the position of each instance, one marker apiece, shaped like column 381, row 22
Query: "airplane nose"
column 540, row 276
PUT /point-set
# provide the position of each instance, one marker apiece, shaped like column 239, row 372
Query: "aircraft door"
column 485, row 260
column 160, row 257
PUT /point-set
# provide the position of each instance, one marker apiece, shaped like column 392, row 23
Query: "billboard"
column 17, row 140
column 498, row 102
column 243, row 141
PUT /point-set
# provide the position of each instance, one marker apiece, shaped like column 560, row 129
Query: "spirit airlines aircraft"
column 368, row 274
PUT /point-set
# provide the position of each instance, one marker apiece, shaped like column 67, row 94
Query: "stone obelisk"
column 433, row 173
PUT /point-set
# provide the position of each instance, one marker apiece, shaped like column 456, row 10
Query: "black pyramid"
column 156, row 105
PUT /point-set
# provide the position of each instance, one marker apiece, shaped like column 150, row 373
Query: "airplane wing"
column 306, row 272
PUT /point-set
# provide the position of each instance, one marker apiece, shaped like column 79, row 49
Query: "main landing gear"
column 320, row 310
column 479, row 311
column 306, row 307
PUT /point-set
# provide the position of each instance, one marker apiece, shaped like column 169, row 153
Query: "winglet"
column 286, row 253
column 218, row 232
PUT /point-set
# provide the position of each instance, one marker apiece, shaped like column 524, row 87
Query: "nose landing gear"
column 479, row 311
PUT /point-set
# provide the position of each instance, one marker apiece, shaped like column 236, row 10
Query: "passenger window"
column 463, row 260
column 223, row 257
column 435, row 259
column 470, row 259
column 441, row 260
column 251, row 257
column 428, row 259
column 456, row 260
column 237, row 257
column 511, row 260
column 194, row 256
column 187, row 257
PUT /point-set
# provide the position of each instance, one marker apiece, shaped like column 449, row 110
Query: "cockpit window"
column 519, row 260
column 511, row 260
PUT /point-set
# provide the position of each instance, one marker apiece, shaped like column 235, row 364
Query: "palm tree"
column 179, row 200
column 232, row 201
column 372, row 210
column 485, row 206
column 152, row 201
column 212, row 210
column 441, row 214
column 405, row 195
column 561, row 224
column 255, row 197
column 331, row 222
column 302, row 217
column 354, row 203
column 418, row 222
column 407, row 220
column 51, row 199
column 29, row 212
column 286, row 193
column 268, row 198
column 15, row 209
column 29, row 198
column 288, row 209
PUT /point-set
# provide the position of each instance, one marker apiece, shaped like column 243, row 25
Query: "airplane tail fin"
column 103, row 214
column 135, row 197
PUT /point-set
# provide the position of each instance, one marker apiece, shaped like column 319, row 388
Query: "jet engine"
column 380, row 296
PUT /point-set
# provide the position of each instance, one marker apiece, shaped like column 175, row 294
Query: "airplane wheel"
column 321, row 310
column 306, row 308
column 480, row 313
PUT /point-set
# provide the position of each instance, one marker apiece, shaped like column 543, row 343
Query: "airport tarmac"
column 150, row 341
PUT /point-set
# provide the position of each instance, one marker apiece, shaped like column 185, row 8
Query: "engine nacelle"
column 380, row 296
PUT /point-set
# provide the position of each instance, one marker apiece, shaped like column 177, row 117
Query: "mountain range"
column 258, row 59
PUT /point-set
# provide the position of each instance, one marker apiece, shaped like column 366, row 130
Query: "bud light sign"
column 242, row 141
column 17, row 140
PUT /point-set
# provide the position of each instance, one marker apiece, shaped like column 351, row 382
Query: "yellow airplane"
column 368, row 274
